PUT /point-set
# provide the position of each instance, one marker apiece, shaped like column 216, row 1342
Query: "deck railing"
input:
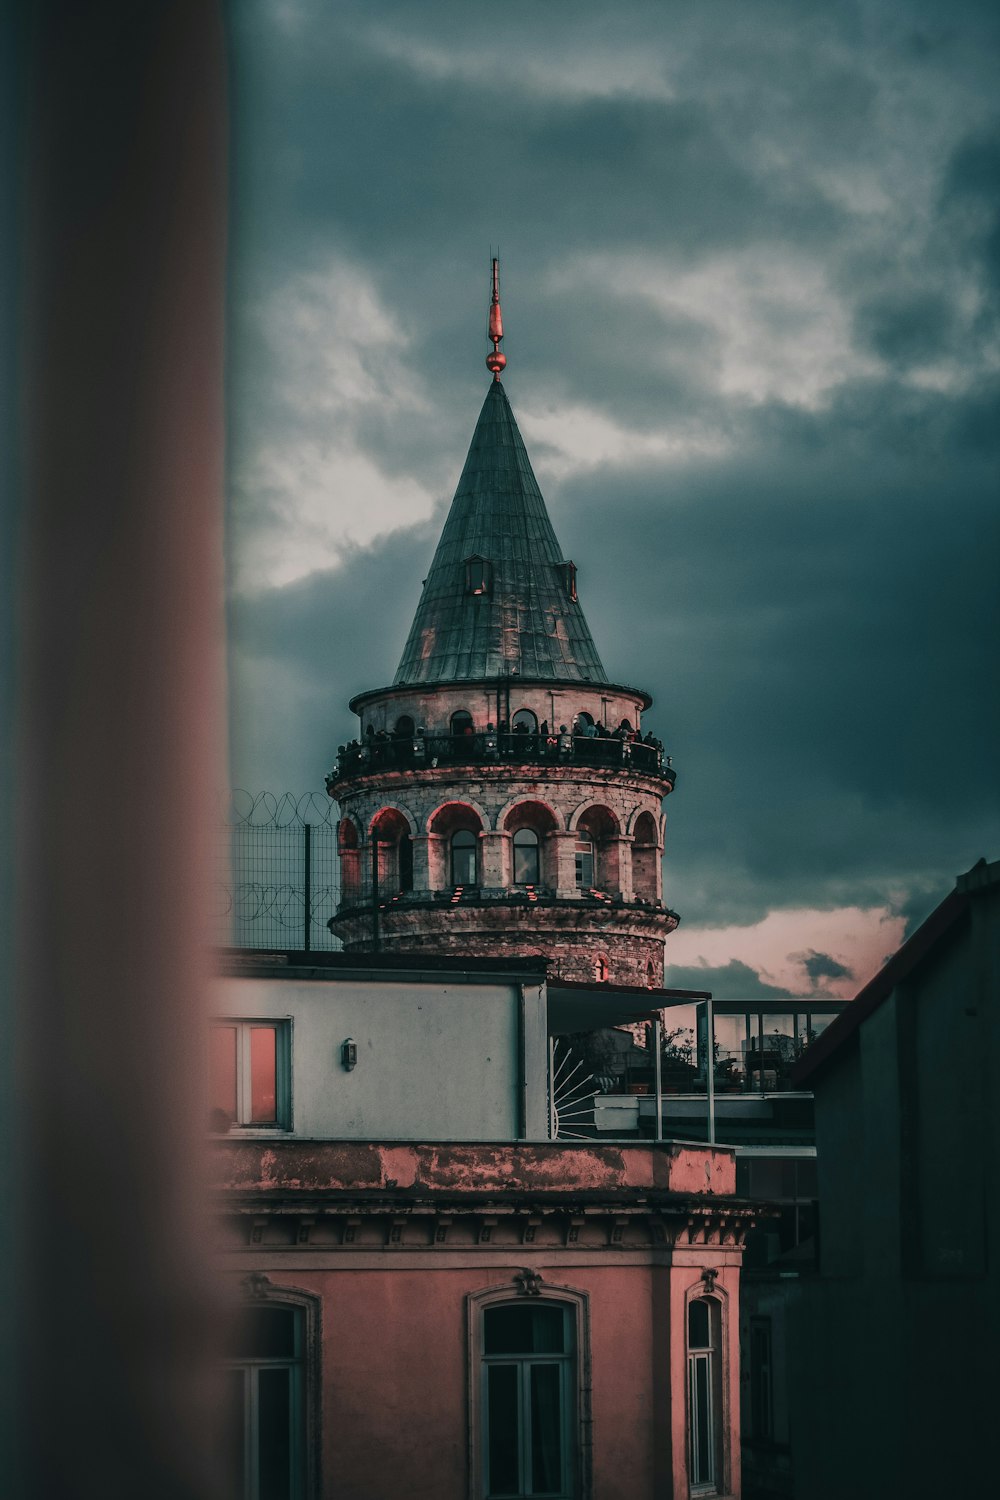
column 419, row 750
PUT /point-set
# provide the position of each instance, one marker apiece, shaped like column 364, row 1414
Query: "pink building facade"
column 434, row 1308
column 496, row 1319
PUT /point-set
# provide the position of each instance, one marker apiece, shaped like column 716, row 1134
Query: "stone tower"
column 502, row 796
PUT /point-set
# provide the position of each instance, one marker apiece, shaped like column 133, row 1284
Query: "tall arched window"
column 350, row 861
column 270, row 1405
column 602, row 968
column 524, row 722
column 645, row 858
column 461, row 722
column 528, row 1396
column 463, row 857
column 527, row 863
column 405, row 727
column 393, row 862
column 704, row 1320
column 597, row 850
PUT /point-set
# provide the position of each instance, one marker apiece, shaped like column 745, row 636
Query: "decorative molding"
column 528, row 1283
column 256, row 1285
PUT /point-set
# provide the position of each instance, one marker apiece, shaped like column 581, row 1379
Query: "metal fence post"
column 307, row 883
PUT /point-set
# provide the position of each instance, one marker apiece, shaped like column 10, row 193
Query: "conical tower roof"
column 500, row 598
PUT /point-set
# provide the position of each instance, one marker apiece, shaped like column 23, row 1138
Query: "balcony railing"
column 420, row 750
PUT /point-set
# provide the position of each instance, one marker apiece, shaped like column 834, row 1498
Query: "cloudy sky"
column 751, row 285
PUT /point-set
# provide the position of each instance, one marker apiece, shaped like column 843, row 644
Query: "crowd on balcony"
column 522, row 739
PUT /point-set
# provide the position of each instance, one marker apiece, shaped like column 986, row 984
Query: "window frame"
column 478, row 576
column 715, row 1356
column 576, row 1392
column 282, row 1028
column 461, row 833
column 578, row 853
column 258, row 1291
column 531, row 839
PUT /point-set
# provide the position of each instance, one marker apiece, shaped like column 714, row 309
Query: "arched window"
column 645, row 858
column 271, row 1396
column 602, row 968
column 393, row 848
column 704, row 1394
column 461, row 722
column 597, row 850
column 584, row 720
column 651, row 976
column 350, row 861
column 463, row 857
column 527, row 863
column 524, row 722
column 405, row 727
column 528, row 1385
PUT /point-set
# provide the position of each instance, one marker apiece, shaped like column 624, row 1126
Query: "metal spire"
column 495, row 361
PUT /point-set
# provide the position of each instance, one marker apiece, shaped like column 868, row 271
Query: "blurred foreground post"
column 119, row 563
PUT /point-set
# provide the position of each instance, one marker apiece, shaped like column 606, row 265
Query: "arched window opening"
column 602, row 968
column 265, row 1402
column 527, row 857
column 463, row 857
column 405, row 727
column 461, row 723
column 645, row 858
column 350, row 861
column 392, row 860
column 524, row 722
column 704, row 1394
column 651, row 976
column 597, row 850
column 529, row 1399
column 533, row 854
column 585, row 722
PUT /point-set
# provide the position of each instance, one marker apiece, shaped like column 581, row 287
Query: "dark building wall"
column 893, row 1347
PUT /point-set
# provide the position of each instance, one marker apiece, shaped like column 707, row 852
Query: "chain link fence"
column 278, row 872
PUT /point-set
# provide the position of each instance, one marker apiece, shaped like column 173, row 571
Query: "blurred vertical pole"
column 119, row 685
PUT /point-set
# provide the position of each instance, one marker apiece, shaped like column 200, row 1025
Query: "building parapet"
column 472, row 1169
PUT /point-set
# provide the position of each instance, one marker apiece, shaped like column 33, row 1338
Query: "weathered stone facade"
column 501, row 794
column 611, row 928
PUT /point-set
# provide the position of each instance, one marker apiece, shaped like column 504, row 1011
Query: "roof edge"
column 398, row 689
column 900, row 965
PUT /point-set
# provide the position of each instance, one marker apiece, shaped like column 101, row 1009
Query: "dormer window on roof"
column 478, row 575
column 568, row 570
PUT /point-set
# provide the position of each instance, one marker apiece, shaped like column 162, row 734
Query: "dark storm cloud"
column 732, row 981
column 819, row 966
column 907, row 328
column 811, row 594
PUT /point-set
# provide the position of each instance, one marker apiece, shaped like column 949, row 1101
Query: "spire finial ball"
column 495, row 361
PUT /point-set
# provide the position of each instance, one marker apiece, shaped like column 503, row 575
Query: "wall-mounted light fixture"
column 349, row 1054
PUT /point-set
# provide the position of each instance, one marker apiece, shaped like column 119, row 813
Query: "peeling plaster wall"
column 354, row 1165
